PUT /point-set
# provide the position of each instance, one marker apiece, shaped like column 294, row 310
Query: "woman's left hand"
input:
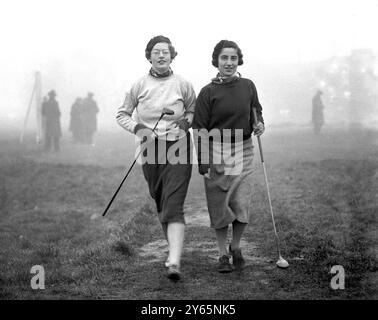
column 258, row 129
column 183, row 124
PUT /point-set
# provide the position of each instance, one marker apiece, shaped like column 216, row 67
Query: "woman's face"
column 160, row 57
column 228, row 61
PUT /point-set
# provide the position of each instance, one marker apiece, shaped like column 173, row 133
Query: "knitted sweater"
column 221, row 106
column 146, row 100
column 228, row 106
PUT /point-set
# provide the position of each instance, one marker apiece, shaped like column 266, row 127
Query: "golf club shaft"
column 271, row 209
column 128, row 172
column 119, row 187
column 267, row 185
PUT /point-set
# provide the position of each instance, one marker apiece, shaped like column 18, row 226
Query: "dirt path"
column 197, row 219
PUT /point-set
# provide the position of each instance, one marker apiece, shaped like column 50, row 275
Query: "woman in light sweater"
column 224, row 117
column 167, row 177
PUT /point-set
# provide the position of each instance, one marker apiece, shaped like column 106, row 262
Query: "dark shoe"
column 237, row 259
column 224, row 265
column 173, row 272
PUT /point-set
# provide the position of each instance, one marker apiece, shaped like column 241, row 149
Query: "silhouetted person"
column 44, row 99
column 90, row 110
column 51, row 118
column 76, row 121
column 317, row 112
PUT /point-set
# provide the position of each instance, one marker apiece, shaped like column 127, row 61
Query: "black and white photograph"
column 188, row 156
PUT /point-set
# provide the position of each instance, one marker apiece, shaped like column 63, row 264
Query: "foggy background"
column 324, row 186
column 98, row 46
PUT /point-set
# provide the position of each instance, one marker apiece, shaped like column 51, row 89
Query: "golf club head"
column 282, row 263
column 167, row 111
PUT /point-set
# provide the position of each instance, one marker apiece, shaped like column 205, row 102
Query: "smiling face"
column 228, row 62
column 160, row 57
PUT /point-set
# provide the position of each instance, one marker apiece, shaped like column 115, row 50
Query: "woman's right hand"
column 143, row 131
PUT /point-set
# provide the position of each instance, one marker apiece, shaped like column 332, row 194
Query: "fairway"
column 324, row 192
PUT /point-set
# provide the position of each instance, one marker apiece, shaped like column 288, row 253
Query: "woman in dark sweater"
column 222, row 126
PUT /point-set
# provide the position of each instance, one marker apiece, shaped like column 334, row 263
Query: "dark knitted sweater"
column 227, row 106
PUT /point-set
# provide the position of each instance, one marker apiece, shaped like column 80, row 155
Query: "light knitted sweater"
column 146, row 100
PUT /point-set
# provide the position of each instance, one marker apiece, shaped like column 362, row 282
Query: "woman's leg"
column 222, row 240
column 224, row 265
column 175, row 237
column 237, row 232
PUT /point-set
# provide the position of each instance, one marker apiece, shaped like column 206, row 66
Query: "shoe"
column 173, row 272
column 237, row 259
column 224, row 265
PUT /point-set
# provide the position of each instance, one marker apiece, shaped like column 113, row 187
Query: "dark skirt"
column 168, row 173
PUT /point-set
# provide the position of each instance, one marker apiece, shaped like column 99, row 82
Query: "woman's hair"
column 226, row 44
column 156, row 40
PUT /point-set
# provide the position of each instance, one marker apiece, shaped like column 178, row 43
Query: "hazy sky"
column 98, row 46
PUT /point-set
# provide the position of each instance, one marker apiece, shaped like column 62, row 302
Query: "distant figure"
column 51, row 119
column 76, row 122
column 43, row 124
column 90, row 110
column 317, row 112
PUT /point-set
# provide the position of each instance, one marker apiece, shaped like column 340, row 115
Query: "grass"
column 324, row 200
column 339, row 216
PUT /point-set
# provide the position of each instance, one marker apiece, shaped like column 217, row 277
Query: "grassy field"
column 325, row 198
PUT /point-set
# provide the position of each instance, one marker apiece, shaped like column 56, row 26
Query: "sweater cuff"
column 138, row 127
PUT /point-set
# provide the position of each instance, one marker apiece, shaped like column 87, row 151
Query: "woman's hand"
column 258, row 129
column 143, row 131
column 183, row 124
column 204, row 169
column 207, row 174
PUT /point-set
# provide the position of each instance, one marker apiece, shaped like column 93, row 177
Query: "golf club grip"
column 258, row 137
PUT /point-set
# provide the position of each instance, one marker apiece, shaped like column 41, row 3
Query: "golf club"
column 281, row 262
column 166, row 111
